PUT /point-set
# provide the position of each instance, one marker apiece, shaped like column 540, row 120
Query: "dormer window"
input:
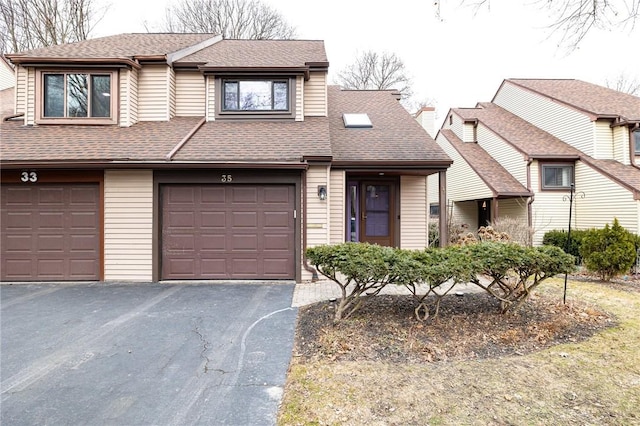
column 255, row 95
column 76, row 97
column 636, row 140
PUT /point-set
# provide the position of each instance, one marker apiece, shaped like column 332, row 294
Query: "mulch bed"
column 468, row 327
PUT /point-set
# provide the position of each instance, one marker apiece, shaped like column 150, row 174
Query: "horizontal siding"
column 603, row 134
column 549, row 210
column 128, row 225
column 315, row 95
column 190, row 94
column 210, row 85
column 600, row 191
column 514, row 208
column 465, row 214
column 433, row 188
column 337, row 206
column 455, row 126
column 317, row 210
column 621, row 146
column 7, row 76
column 21, row 89
column 153, row 94
column 563, row 122
column 413, row 212
column 462, row 182
column 299, row 115
column 508, row 157
column 468, row 132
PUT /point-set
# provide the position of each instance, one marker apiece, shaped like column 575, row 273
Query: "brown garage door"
column 50, row 232
column 228, row 232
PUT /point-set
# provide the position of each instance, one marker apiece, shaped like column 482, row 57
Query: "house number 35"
column 226, row 178
column 29, row 177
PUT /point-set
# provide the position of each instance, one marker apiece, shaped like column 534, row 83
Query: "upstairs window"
column 73, row 96
column 636, row 139
column 557, row 176
column 255, row 95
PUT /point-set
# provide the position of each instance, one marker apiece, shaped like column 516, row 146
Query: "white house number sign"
column 226, row 178
column 27, row 177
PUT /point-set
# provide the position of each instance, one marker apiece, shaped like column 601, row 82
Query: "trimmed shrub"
column 558, row 238
column 609, row 251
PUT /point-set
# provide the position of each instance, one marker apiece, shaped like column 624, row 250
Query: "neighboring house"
column 145, row 157
column 7, row 86
column 518, row 155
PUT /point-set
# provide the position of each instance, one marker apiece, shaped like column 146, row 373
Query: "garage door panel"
column 181, row 220
column 234, row 234
column 50, row 232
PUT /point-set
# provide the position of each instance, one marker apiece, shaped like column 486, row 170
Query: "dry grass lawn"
column 574, row 364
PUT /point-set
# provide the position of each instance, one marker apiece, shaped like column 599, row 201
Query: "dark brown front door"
column 228, row 231
column 377, row 213
column 50, row 232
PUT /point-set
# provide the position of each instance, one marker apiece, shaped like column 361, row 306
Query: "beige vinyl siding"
column 465, row 214
column 7, row 76
column 30, row 106
column 621, row 145
column 128, row 229
column 171, row 89
column 315, row 95
column 337, row 206
column 512, row 160
column 414, row 213
column 514, row 208
column 210, row 86
column 190, row 94
column 317, row 210
column 299, row 101
column 548, row 211
column 455, row 126
column 433, row 188
column 468, row 132
column 603, row 134
column 21, row 90
column 462, row 182
column 128, row 97
column 603, row 201
column 153, row 93
column 561, row 121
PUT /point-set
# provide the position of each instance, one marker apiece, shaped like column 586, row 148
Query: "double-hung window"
column 255, row 95
column 557, row 176
column 636, row 140
column 77, row 97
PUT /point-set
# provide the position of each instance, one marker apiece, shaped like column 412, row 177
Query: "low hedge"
column 507, row 271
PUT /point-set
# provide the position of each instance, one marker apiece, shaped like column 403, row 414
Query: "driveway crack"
column 205, row 346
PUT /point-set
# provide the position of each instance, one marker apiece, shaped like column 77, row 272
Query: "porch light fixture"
column 322, row 192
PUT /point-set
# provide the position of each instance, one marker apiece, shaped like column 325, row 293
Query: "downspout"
column 531, row 198
column 305, row 261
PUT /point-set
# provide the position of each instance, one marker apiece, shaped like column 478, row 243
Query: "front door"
column 377, row 213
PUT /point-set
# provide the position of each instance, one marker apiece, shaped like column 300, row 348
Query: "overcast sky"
column 457, row 60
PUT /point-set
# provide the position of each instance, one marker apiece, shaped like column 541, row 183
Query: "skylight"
column 360, row 120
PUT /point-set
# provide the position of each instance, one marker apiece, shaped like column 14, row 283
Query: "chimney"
column 427, row 119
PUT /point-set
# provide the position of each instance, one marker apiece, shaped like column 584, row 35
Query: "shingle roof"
column 593, row 99
column 496, row 177
column 395, row 136
column 145, row 141
column 121, row 46
column 258, row 141
column 259, row 54
column 522, row 135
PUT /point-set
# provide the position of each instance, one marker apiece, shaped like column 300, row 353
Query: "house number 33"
column 226, row 178
column 29, row 177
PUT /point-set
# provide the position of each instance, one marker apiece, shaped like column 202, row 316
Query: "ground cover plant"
column 545, row 363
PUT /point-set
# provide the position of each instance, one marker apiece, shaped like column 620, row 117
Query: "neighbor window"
column 255, row 95
column 557, row 176
column 636, row 139
column 76, row 95
column 434, row 210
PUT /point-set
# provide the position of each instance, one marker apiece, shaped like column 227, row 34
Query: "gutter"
column 305, row 261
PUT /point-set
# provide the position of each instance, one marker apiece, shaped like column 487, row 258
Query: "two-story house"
column 146, row 157
column 518, row 155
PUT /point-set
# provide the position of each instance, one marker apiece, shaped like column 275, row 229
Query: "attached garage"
column 228, row 231
column 50, row 231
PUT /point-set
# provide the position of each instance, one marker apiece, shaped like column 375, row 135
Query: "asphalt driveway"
column 144, row 354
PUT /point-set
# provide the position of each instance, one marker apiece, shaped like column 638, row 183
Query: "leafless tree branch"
column 624, row 83
column 234, row 19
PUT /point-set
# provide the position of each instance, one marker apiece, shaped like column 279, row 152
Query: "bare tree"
column 376, row 71
column 29, row 24
column 624, row 83
column 234, row 19
column 574, row 19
